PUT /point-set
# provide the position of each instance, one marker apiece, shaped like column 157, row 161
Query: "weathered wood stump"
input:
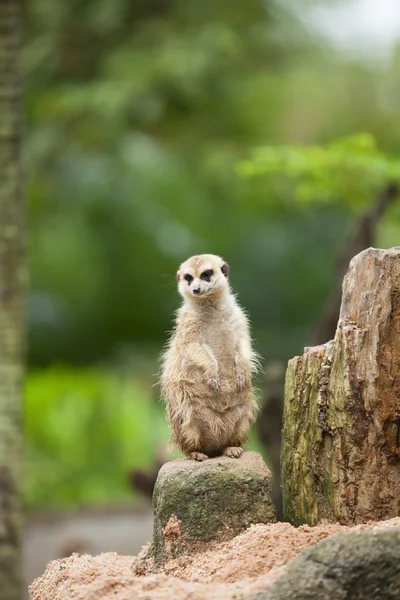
column 196, row 503
column 341, row 431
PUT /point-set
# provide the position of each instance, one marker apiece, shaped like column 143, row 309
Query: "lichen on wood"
column 341, row 430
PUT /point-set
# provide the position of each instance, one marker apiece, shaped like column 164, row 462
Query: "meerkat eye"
column 189, row 278
column 207, row 274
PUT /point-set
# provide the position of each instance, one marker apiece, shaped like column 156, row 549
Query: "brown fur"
column 207, row 367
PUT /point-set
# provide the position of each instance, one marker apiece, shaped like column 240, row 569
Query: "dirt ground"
column 48, row 536
column 230, row 570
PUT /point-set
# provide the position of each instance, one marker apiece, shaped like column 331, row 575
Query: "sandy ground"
column 227, row 571
column 47, row 536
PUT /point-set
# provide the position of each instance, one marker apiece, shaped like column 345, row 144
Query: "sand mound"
column 231, row 570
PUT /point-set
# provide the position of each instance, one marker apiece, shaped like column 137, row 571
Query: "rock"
column 198, row 502
column 341, row 425
column 350, row 566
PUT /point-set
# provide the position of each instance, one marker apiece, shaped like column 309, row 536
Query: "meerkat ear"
column 177, row 276
column 225, row 269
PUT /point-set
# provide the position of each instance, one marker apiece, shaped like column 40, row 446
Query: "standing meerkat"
column 207, row 367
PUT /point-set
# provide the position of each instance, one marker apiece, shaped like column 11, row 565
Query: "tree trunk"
column 12, row 278
column 341, row 431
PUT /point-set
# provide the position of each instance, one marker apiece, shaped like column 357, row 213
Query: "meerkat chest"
column 220, row 335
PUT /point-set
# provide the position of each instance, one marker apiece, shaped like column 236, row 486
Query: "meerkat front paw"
column 233, row 451
column 243, row 379
column 215, row 384
column 199, row 456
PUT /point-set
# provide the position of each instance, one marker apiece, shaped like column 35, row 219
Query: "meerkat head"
column 202, row 276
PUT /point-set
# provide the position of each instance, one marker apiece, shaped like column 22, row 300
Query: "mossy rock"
column 362, row 565
column 196, row 503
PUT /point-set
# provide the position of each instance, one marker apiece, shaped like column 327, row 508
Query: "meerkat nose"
column 196, row 291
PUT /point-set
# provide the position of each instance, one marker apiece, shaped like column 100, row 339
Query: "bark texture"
column 12, row 277
column 341, row 431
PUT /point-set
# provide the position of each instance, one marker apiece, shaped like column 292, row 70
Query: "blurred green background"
column 159, row 129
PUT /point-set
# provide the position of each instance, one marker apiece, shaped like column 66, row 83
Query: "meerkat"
column 208, row 365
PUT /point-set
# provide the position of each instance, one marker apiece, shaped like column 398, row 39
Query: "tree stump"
column 197, row 503
column 341, row 423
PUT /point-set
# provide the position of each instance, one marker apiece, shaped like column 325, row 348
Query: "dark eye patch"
column 189, row 278
column 207, row 274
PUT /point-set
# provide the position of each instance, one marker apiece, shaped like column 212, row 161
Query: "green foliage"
column 85, row 431
column 350, row 170
column 136, row 114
